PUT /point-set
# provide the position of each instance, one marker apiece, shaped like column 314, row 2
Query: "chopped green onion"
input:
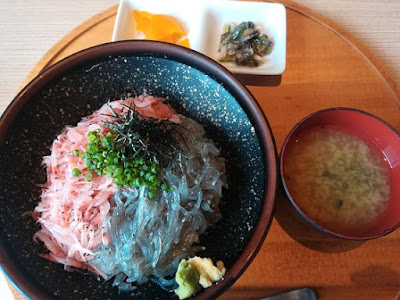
column 104, row 156
column 76, row 172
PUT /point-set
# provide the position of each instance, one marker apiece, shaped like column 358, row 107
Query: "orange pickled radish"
column 164, row 25
column 184, row 43
column 172, row 38
column 160, row 27
column 143, row 20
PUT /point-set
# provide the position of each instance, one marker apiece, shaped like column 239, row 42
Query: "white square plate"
column 204, row 21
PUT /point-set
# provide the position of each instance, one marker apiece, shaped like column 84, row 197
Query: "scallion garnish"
column 133, row 152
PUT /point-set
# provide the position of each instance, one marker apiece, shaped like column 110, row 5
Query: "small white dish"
column 189, row 13
column 204, row 21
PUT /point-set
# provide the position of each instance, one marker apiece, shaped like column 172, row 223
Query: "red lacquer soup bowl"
column 383, row 141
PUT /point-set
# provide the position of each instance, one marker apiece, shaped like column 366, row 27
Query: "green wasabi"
column 187, row 278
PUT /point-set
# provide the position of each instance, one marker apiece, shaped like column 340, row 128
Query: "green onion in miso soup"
column 337, row 180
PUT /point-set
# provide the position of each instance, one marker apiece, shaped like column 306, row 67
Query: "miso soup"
column 338, row 180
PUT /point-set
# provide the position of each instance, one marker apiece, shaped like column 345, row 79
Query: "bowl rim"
column 203, row 64
column 294, row 203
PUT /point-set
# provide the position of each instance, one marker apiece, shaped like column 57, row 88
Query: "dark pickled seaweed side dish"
column 244, row 45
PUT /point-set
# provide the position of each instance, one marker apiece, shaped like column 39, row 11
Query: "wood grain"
column 29, row 28
column 325, row 68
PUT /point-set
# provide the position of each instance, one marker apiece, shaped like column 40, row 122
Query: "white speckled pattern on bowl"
column 72, row 90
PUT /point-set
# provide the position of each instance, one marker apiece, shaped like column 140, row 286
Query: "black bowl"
column 76, row 86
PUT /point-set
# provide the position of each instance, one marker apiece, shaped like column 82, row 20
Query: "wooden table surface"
column 30, row 28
